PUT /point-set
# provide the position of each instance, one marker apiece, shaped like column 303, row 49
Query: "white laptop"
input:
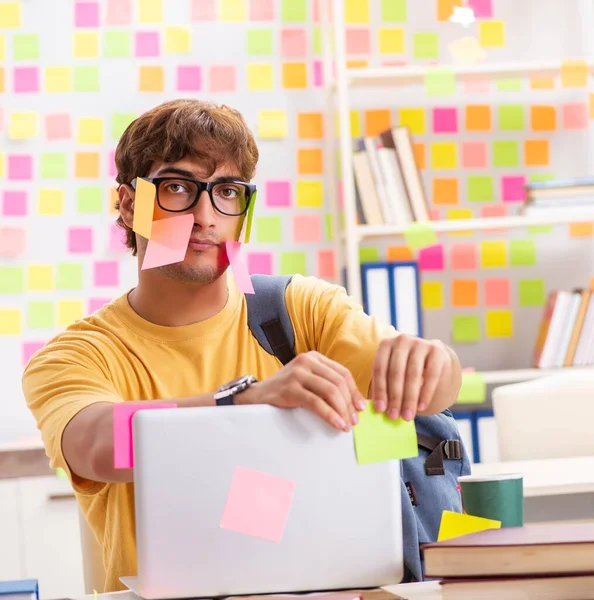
column 212, row 486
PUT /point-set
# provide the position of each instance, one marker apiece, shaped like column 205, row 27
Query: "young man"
column 182, row 333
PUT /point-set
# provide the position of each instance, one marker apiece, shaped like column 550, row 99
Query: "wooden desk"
column 555, row 489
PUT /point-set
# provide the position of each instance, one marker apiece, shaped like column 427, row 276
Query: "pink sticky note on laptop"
column 169, row 241
column 239, row 266
column 258, row 504
column 123, row 448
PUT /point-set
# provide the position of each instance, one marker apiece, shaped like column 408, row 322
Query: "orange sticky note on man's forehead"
column 144, row 207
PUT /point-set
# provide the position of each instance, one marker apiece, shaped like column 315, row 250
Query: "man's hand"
column 315, row 382
column 413, row 375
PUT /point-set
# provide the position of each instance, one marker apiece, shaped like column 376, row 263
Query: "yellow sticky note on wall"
column 10, row 321
column 86, row 44
column 356, row 11
column 260, row 76
column 493, row 254
column 144, row 207
column 90, row 131
column 492, row 34
column 69, row 311
column 574, row 73
column 40, row 278
column 150, row 11
column 272, row 124
column 454, row 524
column 177, row 40
column 10, row 15
column 23, row 125
column 233, row 10
column 57, row 79
column 50, row 202
column 310, row 194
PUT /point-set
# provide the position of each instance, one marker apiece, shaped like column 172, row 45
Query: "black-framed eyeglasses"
column 178, row 194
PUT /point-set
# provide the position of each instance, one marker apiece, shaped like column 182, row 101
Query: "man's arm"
column 87, row 441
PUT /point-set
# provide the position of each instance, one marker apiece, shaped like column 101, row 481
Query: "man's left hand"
column 412, row 375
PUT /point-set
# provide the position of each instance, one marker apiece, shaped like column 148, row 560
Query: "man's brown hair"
column 211, row 133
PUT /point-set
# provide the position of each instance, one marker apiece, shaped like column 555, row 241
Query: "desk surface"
column 410, row 591
column 547, row 477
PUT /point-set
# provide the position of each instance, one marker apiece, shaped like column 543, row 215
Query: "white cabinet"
column 51, row 539
column 11, row 542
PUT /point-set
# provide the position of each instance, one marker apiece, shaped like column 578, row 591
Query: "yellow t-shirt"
column 115, row 355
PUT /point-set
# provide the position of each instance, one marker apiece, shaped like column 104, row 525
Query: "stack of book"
column 388, row 185
column 22, row 589
column 558, row 196
column 566, row 332
column 546, row 562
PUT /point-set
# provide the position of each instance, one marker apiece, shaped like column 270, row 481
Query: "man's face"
column 205, row 259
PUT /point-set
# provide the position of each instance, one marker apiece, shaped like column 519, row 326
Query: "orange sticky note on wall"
column 144, row 207
column 309, row 161
column 377, row 121
column 455, row 524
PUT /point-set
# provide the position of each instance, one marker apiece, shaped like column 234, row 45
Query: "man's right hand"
column 315, row 382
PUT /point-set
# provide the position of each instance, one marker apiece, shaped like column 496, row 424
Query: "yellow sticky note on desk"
column 379, row 439
column 144, row 207
column 454, row 524
column 23, row 125
column 272, row 124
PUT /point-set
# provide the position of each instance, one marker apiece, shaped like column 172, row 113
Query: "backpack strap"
column 268, row 317
column 439, row 449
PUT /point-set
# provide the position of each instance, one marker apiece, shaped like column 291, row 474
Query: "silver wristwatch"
column 225, row 395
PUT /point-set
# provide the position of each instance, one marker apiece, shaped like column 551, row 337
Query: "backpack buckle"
column 452, row 450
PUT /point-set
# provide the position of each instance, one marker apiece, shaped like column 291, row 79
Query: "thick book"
column 572, row 587
column 543, row 549
column 21, row 589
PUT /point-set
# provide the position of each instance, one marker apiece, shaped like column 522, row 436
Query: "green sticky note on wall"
column 506, row 154
column 54, row 165
column 379, row 439
column 425, row 46
column 40, row 314
column 259, row 41
column 480, row 188
column 440, row 81
column 292, row 263
column 86, row 79
column 119, row 123
column 473, row 390
column 269, row 230
column 328, row 227
column 368, row 254
column 466, row 328
column 69, row 276
column 117, row 44
column 420, row 235
column 536, row 229
column 25, row 46
column 508, row 85
column 511, row 117
column 531, row 292
column 294, row 11
column 89, row 200
column 316, row 40
column 522, row 253
column 393, row 11
column 11, row 280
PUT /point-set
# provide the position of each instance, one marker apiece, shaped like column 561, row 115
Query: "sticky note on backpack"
column 455, row 524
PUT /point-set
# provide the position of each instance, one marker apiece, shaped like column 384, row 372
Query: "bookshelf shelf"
column 487, row 223
column 516, row 375
column 404, row 75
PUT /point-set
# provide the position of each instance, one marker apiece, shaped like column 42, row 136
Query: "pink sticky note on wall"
column 146, row 44
column 260, row 10
column 169, row 241
column 112, row 169
column 474, row 155
column 86, row 14
column 12, row 241
column 14, row 203
column 327, row 264
column 445, row 120
column 80, row 240
column 358, row 41
column 239, row 267
column 123, row 447
column 463, row 257
column 119, row 12
column 29, row 349
column 278, row 193
column 431, row 258
column 307, row 228
column 97, row 303
column 512, row 188
column 259, row 263
column 293, row 43
column 203, row 10
column 483, row 9
column 117, row 237
column 106, row 273
column 20, row 167
column 575, row 115
column 26, row 79
column 188, row 78
column 258, row 504
column 318, row 73
column 57, row 126
column 497, row 292
column 222, row 78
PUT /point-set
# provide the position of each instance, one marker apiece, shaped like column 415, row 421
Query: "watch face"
column 235, row 383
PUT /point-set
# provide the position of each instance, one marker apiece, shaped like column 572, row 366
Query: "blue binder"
column 24, row 587
column 397, row 284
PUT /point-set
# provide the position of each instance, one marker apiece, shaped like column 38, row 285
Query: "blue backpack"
column 429, row 481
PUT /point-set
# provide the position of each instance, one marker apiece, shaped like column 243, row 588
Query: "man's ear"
column 126, row 196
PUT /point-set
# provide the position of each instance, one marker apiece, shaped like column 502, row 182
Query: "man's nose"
column 204, row 211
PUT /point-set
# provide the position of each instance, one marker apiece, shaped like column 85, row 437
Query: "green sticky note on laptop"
column 378, row 438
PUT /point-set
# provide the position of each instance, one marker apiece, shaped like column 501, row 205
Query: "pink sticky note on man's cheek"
column 123, row 448
column 239, row 266
column 258, row 504
column 169, row 241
